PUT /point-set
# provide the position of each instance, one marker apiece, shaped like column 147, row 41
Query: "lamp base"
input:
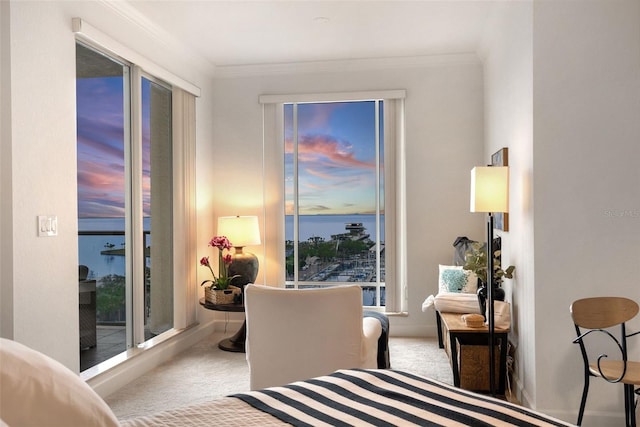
column 244, row 264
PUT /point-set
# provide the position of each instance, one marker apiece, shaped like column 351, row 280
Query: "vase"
column 498, row 295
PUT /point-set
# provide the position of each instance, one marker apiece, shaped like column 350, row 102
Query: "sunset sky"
column 101, row 179
column 336, row 153
column 336, row 158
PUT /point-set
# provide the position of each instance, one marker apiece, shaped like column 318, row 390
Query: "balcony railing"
column 99, row 255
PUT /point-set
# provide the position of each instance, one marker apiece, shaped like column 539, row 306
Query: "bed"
column 353, row 398
column 39, row 391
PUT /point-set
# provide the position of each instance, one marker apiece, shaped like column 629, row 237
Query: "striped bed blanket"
column 358, row 397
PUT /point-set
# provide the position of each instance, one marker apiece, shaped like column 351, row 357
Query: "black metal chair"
column 596, row 316
column 87, row 309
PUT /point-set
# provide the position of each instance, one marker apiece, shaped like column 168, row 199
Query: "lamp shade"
column 240, row 230
column 490, row 189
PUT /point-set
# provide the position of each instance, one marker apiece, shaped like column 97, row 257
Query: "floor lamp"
column 490, row 193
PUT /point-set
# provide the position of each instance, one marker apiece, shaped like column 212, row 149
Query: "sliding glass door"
column 125, row 193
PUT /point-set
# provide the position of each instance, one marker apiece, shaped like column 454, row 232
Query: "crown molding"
column 129, row 13
column 94, row 37
column 348, row 65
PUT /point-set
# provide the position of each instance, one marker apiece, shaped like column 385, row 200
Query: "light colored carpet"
column 204, row 372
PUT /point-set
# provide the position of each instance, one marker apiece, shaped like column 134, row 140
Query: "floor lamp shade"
column 241, row 231
column 490, row 189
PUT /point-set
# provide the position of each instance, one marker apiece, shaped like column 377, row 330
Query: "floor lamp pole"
column 490, row 301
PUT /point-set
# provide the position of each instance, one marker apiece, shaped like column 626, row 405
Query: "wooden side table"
column 237, row 341
column 458, row 331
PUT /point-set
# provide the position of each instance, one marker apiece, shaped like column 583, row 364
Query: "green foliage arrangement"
column 476, row 261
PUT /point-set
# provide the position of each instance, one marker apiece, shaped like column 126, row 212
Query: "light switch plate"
column 47, row 225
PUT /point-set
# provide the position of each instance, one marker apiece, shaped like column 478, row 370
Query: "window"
column 128, row 217
column 342, row 191
column 334, row 196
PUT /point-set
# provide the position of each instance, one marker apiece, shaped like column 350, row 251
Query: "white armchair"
column 296, row 334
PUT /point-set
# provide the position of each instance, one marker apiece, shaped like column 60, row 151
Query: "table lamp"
column 490, row 193
column 241, row 231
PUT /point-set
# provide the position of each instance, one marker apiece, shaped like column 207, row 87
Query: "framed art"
column 501, row 158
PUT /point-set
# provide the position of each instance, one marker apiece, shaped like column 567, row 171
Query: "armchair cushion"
column 383, row 341
column 296, row 334
column 372, row 330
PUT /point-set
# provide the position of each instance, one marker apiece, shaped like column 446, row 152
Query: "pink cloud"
column 323, row 148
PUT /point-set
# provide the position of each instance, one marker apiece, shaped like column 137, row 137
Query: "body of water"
column 101, row 265
column 89, row 247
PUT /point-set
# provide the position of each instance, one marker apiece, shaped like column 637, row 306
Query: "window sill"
column 108, row 365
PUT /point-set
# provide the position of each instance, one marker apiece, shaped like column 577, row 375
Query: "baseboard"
column 596, row 418
column 591, row 418
column 109, row 378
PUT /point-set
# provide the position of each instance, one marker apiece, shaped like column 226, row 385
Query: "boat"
column 354, row 226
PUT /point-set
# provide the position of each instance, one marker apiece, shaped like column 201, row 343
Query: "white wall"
column 444, row 137
column 507, row 54
column 44, row 182
column 6, row 256
column 39, row 275
column 586, row 109
column 562, row 84
column 578, row 67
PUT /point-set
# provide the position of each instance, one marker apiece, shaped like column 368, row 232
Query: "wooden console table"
column 452, row 330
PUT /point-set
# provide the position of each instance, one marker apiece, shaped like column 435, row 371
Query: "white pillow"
column 39, row 391
column 454, row 279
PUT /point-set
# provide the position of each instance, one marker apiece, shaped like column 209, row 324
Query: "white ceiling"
column 270, row 31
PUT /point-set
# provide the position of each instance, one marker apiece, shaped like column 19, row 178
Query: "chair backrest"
column 296, row 334
column 83, row 272
column 603, row 312
column 597, row 315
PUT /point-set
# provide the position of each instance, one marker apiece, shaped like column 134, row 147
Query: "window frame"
column 394, row 181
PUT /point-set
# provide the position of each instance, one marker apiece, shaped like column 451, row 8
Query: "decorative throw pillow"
column 454, row 279
column 37, row 390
